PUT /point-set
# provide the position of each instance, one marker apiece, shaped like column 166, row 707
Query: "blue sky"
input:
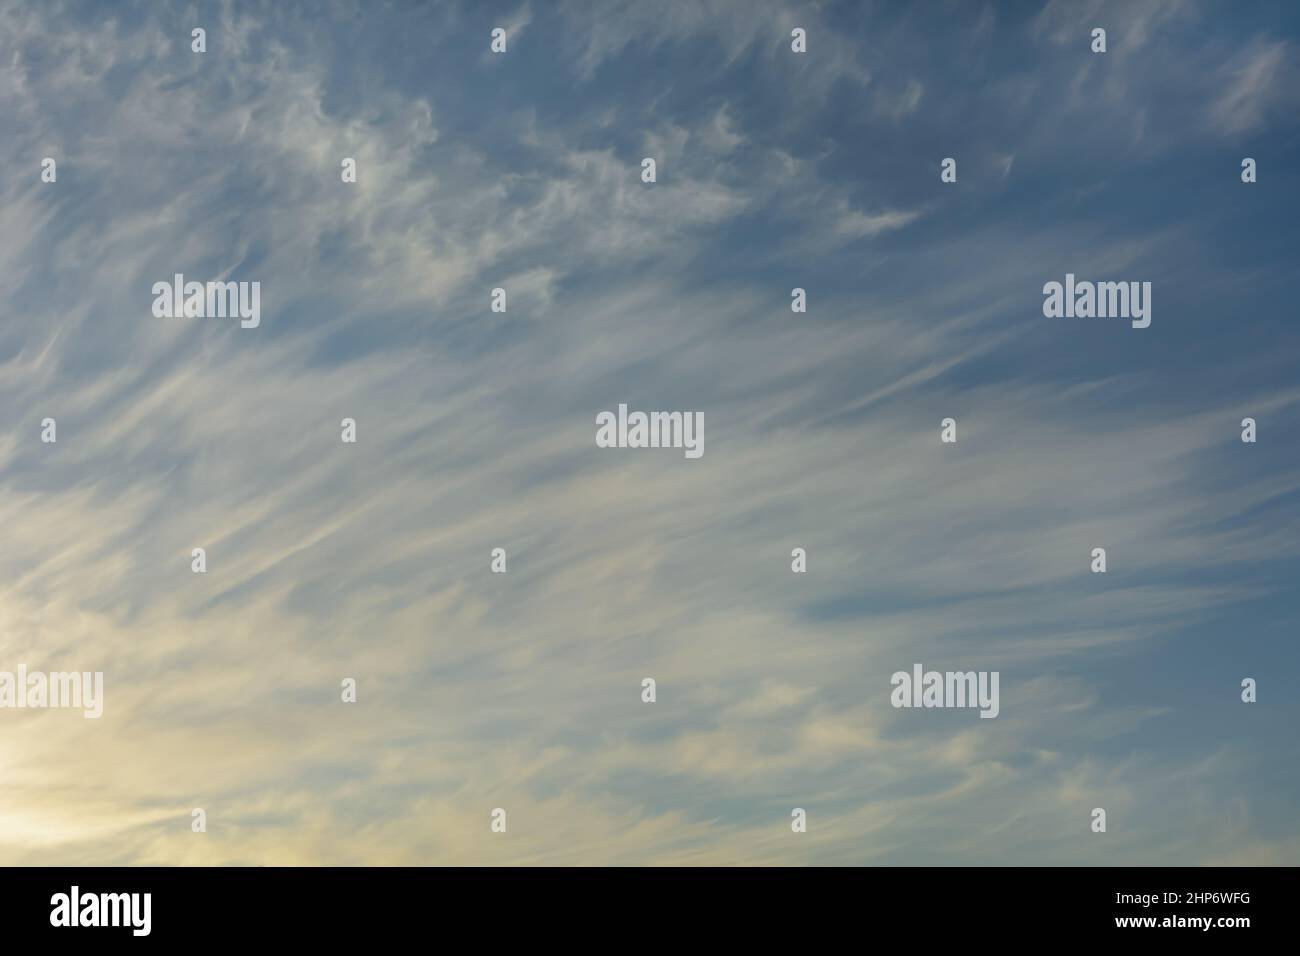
column 476, row 430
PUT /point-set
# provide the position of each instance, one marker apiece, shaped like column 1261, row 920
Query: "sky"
column 476, row 430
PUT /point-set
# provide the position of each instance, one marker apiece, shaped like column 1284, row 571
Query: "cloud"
column 476, row 430
column 1250, row 87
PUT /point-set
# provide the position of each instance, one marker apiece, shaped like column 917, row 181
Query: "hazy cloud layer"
column 476, row 430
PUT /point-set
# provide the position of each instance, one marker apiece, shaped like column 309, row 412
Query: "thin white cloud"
column 522, row 690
